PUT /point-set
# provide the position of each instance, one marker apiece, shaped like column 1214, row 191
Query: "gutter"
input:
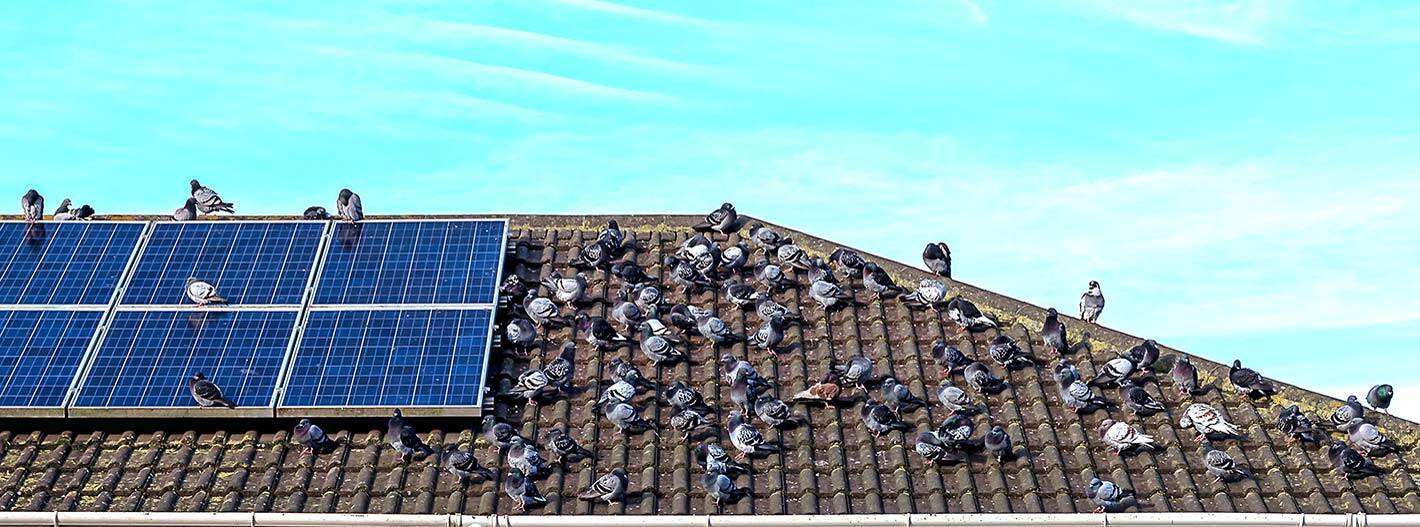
column 261, row 519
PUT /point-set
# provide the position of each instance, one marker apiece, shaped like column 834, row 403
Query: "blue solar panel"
column 40, row 352
column 249, row 262
column 147, row 356
column 65, row 262
column 423, row 262
column 390, row 358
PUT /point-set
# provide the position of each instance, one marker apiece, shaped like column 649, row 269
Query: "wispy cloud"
column 978, row 15
column 444, row 30
column 1233, row 21
column 639, row 13
column 530, row 78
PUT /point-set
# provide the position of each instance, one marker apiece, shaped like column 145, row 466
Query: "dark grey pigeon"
column 348, row 206
column 775, row 413
column 1143, row 355
column 898, row 398
column 723, row 220
column 998, row 444
column 933, row 449
column 849, row 261
column 599, row 333
column 521, row 334
column 610, row 487
column 770, row 335
column 1249, row 382
column 1298, row 426
column 740, row 294
column 464, row 465
column 1053, row 333
column 187, row 212
column 858, row 372
column 1351, row 463
column 85, row 213
column 566, row 448
column 880, row 419
column 206, row 393
column 498, row 434
column 765, row 237
column 627, row 313
column 980, row 378
column 630, row 272
column 559, row 370
column 1379, row 397
column 1185, row 376
column 63, row 213
column 594, row 255
column 950, row 358
column 522, row 491
column 404, row 439
column 32, row 205
column 877, row 280
column 1346, row 412
column 1221, row 465
column 967, row 316
column 1006, row 352
column 1138, row 400
column 612, row 236
column 315, row 212
column 207, row 200
column 312, row 437
column 721, row 488
column 1092, row 303
column 938, row 259
column 1110, row 497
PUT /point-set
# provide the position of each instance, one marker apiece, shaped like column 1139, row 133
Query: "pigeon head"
column 1051, row 313
column 727, row 360
column 1106, row 425
column 199, row 376
column 345, row 193
column 62, row 204
column 727, row 206
column 32, row 194
column 1151, row 343
column 1094, row 284
column 736, row 419
column 1335, row 448
column 398, row 413
column 194, row 184
column 1385, row 391
column 611, row 224
column 1095, row 484
column 1185, row 422
column 1237, row 364
column 304, row 424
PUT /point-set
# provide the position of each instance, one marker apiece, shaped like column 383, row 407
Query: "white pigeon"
column 203, row 293
column 1206, row 420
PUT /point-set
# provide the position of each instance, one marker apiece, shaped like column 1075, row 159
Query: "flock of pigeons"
column 201, row 200
column 641, row 317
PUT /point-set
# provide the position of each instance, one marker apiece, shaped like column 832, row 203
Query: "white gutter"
column 244, row 519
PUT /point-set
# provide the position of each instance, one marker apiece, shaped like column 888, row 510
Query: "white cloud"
column 978, row 15
column 1235, row 21
column 639, row 13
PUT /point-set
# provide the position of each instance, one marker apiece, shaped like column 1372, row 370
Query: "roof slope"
column 832, row 465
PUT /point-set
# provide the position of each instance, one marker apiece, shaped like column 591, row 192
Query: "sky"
column 1238, row 175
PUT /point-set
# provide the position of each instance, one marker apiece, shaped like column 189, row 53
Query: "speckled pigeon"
column 950, row 358
column 559, row 442
column 1206, row 420
column 1298, row 426
column 1351, row 463
column 32, row 205
column 1221, row 465
column 980, row 378
column 1124, row 437
column 938, row 259
column 723, row 220
column 610, row 487
column 207, row 200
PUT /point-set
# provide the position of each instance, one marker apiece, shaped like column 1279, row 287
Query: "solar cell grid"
column 253, row 263
column 40, row 352
column 411, row 357
column 64, row 263
column 147, row 356
column 412, row 262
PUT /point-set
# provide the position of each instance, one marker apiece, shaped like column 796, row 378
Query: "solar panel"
column 385, row 358
column 413, row 262
column 260, row 263
column 64, row 262
column 40, row 352
column 146, row 357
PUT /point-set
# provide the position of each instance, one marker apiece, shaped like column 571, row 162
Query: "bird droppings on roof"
column 832, row 464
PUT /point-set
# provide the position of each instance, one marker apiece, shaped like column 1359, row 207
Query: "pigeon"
column 522, row 491
column 559, row 370
column 207, row 200
column 980, row 378
column 830, row 297
column 739, row 294
column 311, row 436
column 612, row 237
column 543, row 312
column 1379, row 397
column 403, row 438
column 533, row 385
column 464, row 465
column 878, row 281
column 315, row 212
column 716, row 330
column 513, row 288
column 1351, row 463
column 1298, row 426
column 630, row 272
column 858, row 371
column 348, row 206
column 766, row 238
column 967, row 316
column 930, row 294
column 683, row 397
column 819, row 270
column 1053, row 333
column 627, row 313
column 956, row 399
column 723, row 220
column 599, row 333
column 570, row 290
column 1206, row 420
column 62, row 213
column 1006, row 352
column 648, row 297
column 998, row 443
column 1092, row 303
column 932, row 449
column 1346, row 412
column 206, row 392
column 766, row 308
column 524, row 456
column 1185, row 376
column 880, row 419
column 1066, row 373
column 1249, row 382
column 618, row 392
column 770, row 335
column 1110, row 497
column 564, row 446
column 187, row 212
column 849, row 261
column 772, row 276
column 1368, row 440
column 1079, row 396
column 625, row 371
column 687, row 421
column 1124, row 437
column 774, row 412
column 32, row 205
column 660, row 350
column 938, row 259
column 733, row 259
column 626, row 419
column 956, row 432
column 746, row 438
column 898, row 398
column 498, row 434
column 950, row 358
column 86, row 213
column 1117, row 369
column 521, row 334
column 683, row 317
column 610, row 487
column 721, row 488
column 741, row 394
column 714, row 459
column 791, row 255
column 1143, row 355
column 825, row 391
column 1221, row 465
column 202, row 293
column 1138, row 400
column 595, row 255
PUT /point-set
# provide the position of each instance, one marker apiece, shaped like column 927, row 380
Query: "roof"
column 831, row 466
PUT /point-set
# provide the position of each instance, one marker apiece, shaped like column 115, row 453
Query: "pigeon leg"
column 1099, row 509
column 740, row 456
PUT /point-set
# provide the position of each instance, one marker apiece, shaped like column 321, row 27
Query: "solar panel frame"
column 317, row 256
column 58, row 408
column 318, row 302
column 144, row 226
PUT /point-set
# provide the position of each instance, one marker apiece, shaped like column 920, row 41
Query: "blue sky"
column 1238, row 175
